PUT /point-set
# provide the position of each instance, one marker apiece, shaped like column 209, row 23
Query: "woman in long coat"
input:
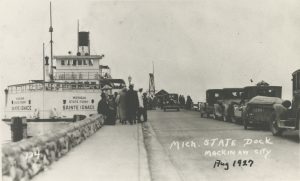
column 117, row 101
column 122, row 106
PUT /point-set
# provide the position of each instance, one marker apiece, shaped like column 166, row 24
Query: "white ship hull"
column 42, row 105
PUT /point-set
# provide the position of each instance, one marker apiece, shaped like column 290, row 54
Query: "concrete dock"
column 113, row 153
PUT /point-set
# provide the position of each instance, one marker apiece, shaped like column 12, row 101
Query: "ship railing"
column 50, row 86
column 77, row 76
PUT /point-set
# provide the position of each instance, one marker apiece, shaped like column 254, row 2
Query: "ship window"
column 12, row 102
column 64, row 101
column 80, row 85
column 62, row 62
column 84, row 62
column 90, row 62
column 29, row 101
column 69, row 62
column 74, row 62
column 74, row 76
column 79, row 62
column 92, row 101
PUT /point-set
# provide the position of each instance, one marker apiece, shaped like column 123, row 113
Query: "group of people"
column 127, row 106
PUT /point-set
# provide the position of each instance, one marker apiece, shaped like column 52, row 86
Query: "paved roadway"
column 278, row 158
column 114, row 153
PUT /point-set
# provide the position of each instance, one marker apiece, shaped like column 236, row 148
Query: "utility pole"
column 151, row 82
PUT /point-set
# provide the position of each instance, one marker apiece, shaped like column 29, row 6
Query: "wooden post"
column 18, row 128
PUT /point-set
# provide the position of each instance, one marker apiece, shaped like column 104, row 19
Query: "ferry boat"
column 72, row 87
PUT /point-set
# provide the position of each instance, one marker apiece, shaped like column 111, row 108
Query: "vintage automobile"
column 285, row 117
column 208, row 108
column 196, row 107
column 261, row 89
column 170, row 101
column 260, row 110
column 224, row 109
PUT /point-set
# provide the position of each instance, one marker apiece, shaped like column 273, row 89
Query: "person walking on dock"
column 111, row 118
column 141, row 105
column 103, row 106
column 122, row 104
column 132, row 104
column 143, row 110
column 189, row 103
column 117, row 101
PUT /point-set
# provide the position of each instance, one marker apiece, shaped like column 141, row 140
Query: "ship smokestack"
column 84, row 43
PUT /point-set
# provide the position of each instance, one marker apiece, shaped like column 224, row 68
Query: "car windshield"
column 232, row 94
column 266, row 92
column 262, row 91
column 214, row 95
column 171, row 99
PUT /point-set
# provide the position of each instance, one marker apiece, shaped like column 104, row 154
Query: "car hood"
column 265, row 100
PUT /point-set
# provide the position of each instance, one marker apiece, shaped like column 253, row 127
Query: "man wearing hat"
column 141, row 105
column 103, row 106
column 132, row 104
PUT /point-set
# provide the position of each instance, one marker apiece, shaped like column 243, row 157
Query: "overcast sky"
column 195, row 45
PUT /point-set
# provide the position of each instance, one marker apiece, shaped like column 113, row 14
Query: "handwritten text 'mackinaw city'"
column 217, row 142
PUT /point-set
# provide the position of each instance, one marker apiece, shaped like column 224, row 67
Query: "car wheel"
column 233, row 120
column 245, row 122
column 276, row 131
column 214, row 116
column 238, row 120
column 224, row 118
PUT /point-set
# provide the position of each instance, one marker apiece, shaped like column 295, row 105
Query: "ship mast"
column 77, row 36
column 44, row 63
column 51, row 45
